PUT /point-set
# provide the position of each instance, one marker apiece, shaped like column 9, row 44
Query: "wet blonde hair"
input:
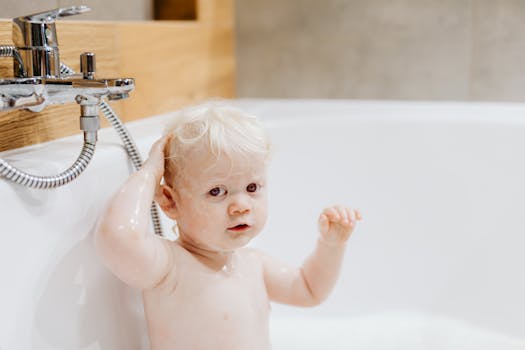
column 221, row 129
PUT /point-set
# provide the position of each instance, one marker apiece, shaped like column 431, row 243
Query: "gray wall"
column 100, row 9
column 382, row 49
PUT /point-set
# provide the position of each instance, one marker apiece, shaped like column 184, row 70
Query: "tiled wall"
column 100, row 9
column 382, row 49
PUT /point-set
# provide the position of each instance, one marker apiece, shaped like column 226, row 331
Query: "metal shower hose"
column 45, row 182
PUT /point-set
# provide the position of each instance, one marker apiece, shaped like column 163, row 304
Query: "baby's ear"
column 165, row 197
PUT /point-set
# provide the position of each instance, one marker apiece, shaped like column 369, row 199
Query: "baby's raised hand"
column 337, row 223
column 155, row 161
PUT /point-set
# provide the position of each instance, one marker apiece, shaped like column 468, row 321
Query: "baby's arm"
column 311, row 283
column 136, row 257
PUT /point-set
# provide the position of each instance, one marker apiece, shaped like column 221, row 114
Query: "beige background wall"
column 370, row 49
column 393, row 49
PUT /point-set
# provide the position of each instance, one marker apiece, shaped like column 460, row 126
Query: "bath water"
column 386, row 332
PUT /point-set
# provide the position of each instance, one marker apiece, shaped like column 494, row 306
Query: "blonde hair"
column 221, row 128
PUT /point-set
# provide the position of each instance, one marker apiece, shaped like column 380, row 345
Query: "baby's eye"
column 253, row 187
column 217, row 191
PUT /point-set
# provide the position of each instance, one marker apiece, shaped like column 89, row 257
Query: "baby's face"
column 222, row 203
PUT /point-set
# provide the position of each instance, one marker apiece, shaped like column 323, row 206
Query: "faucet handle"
column 35, row 37
column 52, row 15
column 38, row 29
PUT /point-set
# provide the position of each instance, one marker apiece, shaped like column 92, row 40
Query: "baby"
column 206, row 290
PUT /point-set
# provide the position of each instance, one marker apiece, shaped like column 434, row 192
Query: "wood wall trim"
column 174, row 63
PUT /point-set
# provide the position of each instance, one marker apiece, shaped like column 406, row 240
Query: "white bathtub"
column 437, row 262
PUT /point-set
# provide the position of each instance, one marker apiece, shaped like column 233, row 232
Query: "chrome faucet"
column 35, row 38
column 39, row 80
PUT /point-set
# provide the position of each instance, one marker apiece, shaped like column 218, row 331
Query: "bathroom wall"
column 100, row 9
column 381, row 49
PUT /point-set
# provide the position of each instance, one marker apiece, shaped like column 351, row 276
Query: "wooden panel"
column 174, row 63
column 98, row 37
column 6, row 66
column 216, row 12
column 185, row 63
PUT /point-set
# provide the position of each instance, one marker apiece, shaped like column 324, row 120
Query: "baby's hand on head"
column 337, row 223
column 155, row 161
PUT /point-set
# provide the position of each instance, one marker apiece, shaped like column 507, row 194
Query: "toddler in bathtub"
column 206, row 290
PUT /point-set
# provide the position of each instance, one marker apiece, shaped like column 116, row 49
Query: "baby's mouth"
column 239, row 228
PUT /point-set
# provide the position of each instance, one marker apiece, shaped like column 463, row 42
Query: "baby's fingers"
column 155, row 161
column 332, row 214
column 337, row 223
column 159, row 145
column 339, row 214
column 353, row 215
column 342, row 216
column 324, row 223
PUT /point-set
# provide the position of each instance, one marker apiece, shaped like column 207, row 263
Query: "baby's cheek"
column 204, row 214
column 197, row 214
column 189, row 217
column 262, row 211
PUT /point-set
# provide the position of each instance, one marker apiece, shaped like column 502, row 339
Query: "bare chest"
column 229, row 305
column 236, row 293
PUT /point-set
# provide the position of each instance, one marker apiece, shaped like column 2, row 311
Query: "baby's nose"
column 239, row 206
